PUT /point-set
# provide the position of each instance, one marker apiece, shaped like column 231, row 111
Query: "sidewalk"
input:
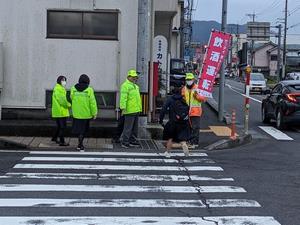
column 211, row 132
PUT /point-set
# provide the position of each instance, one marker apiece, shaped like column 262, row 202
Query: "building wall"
column 175, row 41
column 261, row 58
column 165, row 5
column 32, row 62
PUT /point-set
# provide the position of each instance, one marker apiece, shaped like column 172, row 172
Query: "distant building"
column 265, row 58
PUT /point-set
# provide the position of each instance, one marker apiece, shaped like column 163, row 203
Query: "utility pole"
column 284, row 39
column 252, row 15
column 279, row 76
column 222, row 74
column 143, row 43
column 144, row 50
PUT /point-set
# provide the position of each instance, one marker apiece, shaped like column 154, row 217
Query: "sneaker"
column 123, row 145
column 80, row 147
column 55, row 140
column 134, row 144
column 167, row 154
column 185, row 149
column 64, row 144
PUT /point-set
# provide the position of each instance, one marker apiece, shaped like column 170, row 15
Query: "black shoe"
column 64, row 144
column 55, row 140
column 80, row 147
column 123, row 145
column 134, row 144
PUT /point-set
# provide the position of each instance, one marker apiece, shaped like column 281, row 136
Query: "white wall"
column 32, row 62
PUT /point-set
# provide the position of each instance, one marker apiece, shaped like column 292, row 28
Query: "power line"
column 294, row 10
column 275, row 4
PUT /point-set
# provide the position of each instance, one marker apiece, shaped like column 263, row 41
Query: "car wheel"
column 264, row 117
column 279, row 120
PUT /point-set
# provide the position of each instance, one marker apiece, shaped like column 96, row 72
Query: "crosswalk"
column 124, row 188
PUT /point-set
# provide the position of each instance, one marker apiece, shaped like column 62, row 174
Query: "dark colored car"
column 282, row 104
column 177, row 72
column 217, row 79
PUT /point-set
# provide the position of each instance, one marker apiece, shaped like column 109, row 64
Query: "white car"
column 258, row 83
column 293, row 76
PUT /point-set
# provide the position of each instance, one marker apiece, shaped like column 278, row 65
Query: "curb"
column 212, row 103
column 11, row 144
column 229, row 143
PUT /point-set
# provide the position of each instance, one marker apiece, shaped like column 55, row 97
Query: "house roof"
column 258, row 46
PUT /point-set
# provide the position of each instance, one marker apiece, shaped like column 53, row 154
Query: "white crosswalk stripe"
column 141, row 188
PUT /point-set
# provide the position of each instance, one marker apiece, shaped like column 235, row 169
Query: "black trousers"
column 195, row 130
column 61, row 125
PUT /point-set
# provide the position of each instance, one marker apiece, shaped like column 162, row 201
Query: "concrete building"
column 42, row 39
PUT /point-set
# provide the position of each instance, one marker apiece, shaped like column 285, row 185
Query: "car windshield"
column 178, row 65
column 257, row 76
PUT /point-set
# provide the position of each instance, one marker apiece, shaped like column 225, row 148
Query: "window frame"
column 83, row 36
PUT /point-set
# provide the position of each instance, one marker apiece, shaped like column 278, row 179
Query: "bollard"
column 233, row 128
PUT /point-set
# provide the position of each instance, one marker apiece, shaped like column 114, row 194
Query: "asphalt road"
column 126, row 189
column 269, row 169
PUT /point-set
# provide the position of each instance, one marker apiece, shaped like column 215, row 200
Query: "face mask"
column 64, row 83
column 189, row 82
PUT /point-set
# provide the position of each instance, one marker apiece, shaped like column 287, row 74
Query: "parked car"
column 282, row 104
column 258, row 83
column 177, row 72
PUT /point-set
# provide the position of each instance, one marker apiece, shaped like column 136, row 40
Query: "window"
column 273, row 57
column 105, row 100
column 82, row 24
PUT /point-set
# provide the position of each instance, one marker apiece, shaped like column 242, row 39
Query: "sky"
column 266, row 10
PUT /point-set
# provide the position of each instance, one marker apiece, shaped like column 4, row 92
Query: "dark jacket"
column 168, row 107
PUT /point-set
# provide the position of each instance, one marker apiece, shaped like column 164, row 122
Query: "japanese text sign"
column 217, row 50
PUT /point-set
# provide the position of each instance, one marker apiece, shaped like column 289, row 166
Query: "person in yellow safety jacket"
column 194, row 100
column 84, row 108
column 131, row 107
column 60, row 110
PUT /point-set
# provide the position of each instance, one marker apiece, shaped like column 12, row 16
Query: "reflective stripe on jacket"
column 60, row 104
column 130, row 99
column 193, row 99
column 84, row 104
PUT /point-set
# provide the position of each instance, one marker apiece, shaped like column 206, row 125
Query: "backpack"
column 181, row 111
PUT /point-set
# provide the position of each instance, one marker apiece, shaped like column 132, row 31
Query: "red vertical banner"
column 216, row 52
column 155, row 79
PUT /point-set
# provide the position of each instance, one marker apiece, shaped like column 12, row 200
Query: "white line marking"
column 277, row 134
column 114, row 188
column 117, row 167
column 225, row 220
column 137, row 154
column 130, row 160
column 124, row 203
column 135, row 177
column 232, row 88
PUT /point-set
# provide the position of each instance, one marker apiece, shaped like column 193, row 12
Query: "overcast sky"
column 266, row 10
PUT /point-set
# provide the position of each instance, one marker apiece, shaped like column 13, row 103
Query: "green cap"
column 132, row 73
column 189, row 76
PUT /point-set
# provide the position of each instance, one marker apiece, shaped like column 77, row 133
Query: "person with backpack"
column 194, row 101
column 177, row 128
